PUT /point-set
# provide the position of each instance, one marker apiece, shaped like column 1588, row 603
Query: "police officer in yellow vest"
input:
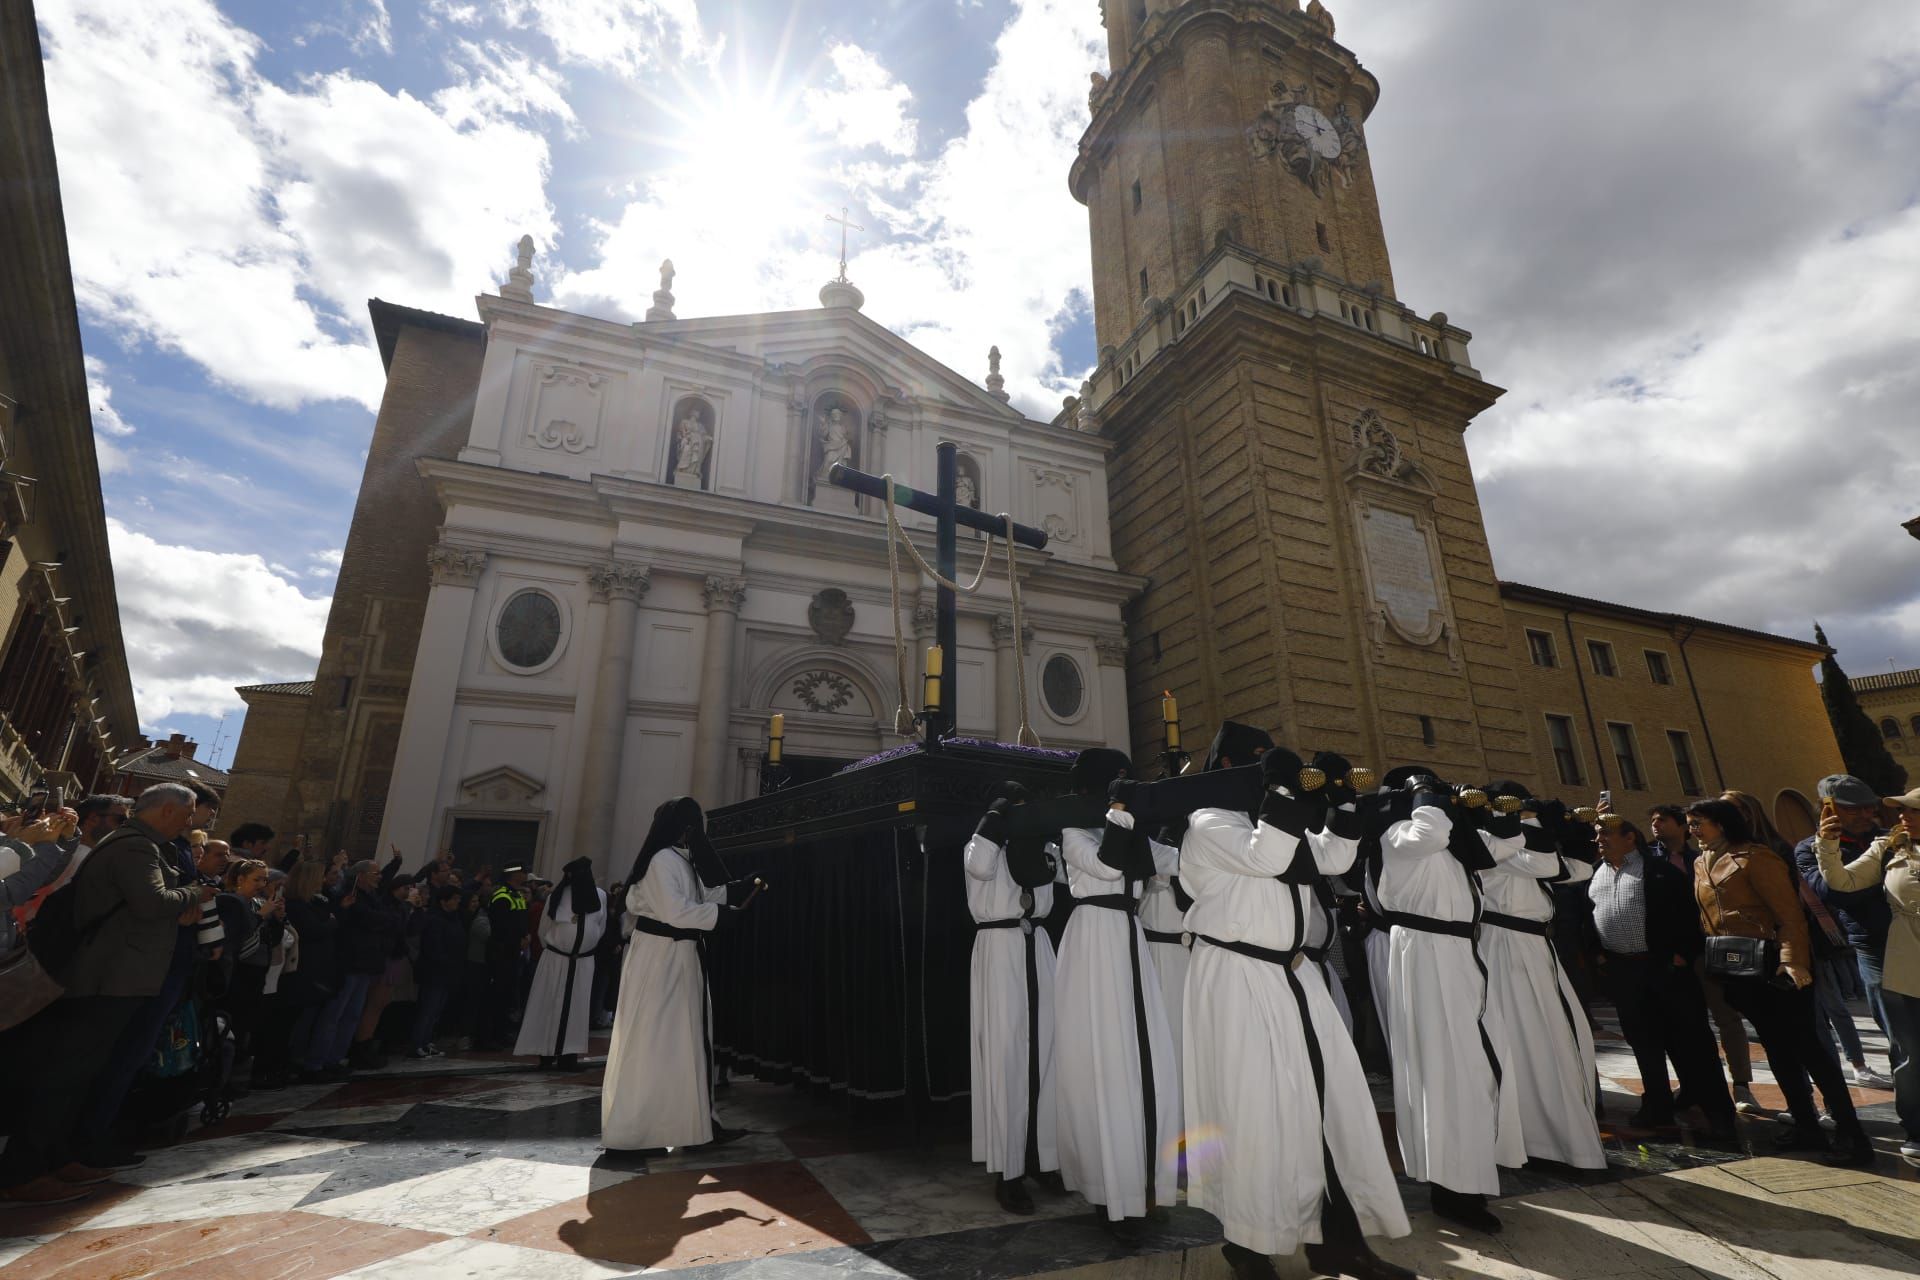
column 506, row 949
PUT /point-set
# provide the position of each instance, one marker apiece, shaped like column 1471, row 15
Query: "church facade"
column 590, row 558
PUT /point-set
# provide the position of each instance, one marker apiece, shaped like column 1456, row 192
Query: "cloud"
column 214, row 213
column 976, row 245
column 106, row 418
column 1687, row 243
column 625, row 36
column 197, row 623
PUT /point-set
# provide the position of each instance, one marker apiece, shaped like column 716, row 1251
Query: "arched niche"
column 835, row 430
column 969, row 485
column 692, row 432
column 835, row 704
column 1793, row 815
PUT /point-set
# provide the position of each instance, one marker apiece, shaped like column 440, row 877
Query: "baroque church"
column 590, row 559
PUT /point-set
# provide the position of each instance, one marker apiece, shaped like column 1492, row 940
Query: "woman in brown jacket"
column 1745, row 890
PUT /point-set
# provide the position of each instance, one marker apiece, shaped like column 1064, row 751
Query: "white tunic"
column 1455, row 1123
column 1549, row 1046
column 561, row 933
column 658, row 1089
column 1323, row 935
column 997, row 997
column 1259, row 1131
column 1379, row 960
column 1104, row 1151
column 1160, row 913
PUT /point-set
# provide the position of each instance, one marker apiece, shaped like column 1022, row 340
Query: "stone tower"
column 1289, row 469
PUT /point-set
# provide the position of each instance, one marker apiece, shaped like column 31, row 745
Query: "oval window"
column 1063, row 687
column 529, row 630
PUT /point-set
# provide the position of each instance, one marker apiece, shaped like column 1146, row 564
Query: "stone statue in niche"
column 692, row 442
column 966, row 492
column 836, row 446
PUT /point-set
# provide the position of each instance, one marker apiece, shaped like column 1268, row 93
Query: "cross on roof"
column 845, row 227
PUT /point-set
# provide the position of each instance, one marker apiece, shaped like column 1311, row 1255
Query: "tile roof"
column 299, row 688
column 1517, row 590
column 156, row 764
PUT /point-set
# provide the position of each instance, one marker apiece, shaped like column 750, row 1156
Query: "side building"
column 1661, row 708
column 66, row 702
column 1891, row 700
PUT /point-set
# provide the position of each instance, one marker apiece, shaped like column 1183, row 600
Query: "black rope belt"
column 1284, row 959
column 1318, row 955
column 1111, row 901
column 1427, row 924
column 1014, row 923
column 647, row 924
column 1519, row 924
column 1166, row 939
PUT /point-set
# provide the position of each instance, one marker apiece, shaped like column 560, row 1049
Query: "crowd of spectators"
column 263, row 972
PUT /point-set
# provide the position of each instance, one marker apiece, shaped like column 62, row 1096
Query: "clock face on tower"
column 1318, row 132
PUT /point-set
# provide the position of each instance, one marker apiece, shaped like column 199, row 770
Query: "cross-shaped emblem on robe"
column 845, row 227
column 948, row 514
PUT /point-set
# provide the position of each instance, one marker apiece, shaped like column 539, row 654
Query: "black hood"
column 1096, row 767
column 577, row 878
column 1240, row 743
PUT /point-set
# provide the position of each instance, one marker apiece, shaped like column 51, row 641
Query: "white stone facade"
column 653, row 487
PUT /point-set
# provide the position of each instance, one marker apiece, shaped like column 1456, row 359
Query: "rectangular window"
column 1600, row 653
column 346, row 691
column 1427, row 736
column 1565, row 758
column 1626, row 755
column 1320, row 236
column 1143, row 282
column 1540, row 646
column 1136, row 197
column 1657, row 669
column 1683, row 762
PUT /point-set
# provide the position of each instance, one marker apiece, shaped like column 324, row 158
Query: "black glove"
column 1344, row 823
column 739, row 891
column 1426, row 797
column 1504, row 825
column 1280, row 769
column 1011, row 793
column 1122, row 791
column 1287, row 813
column 993, row 824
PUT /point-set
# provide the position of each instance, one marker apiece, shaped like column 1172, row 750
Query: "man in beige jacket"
column 1893, row 863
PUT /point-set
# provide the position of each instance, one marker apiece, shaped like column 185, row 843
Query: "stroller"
column 193, row 1066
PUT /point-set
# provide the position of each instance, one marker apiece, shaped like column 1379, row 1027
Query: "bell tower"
column 1290, row 470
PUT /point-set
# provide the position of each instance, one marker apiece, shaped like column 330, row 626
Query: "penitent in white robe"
column 1161, row 914
column 1261, row 1124
column 1379, row 948
column 658, row 1090
column 1003, row 1105
column 1458, row 1118
column 559, row 1004
column 1323, row 934
column 1550, row 1045
column 1105, row 1151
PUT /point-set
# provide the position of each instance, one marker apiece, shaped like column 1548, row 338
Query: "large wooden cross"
column 947, row 514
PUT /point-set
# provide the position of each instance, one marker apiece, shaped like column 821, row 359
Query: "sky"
column 1685, row 237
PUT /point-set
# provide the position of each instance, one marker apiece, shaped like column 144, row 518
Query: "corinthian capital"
column 1003, row 628
column 725, row 593
column 1111, row 650
column 455, row 566
column 619, row 581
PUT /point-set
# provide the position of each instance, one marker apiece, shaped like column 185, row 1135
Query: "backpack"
column 56, row 935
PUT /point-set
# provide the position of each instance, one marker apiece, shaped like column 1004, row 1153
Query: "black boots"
column 1013, row 1196
column 1248, row 1265
column 1359, row 1262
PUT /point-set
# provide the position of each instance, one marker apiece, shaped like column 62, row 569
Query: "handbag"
column 25, row 988
column 1731, row 955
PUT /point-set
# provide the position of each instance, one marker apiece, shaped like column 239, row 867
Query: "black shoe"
column 1681, row 1101
column 1131, row 1232
column 546, row 1064
column 1051, row 1182
column 113, row 1158
column 1857, row 1153
column 1013, row 1196
column 723, row 1135
column 1467, row 1210
column 1248, row 1265
column 1358, row 1261
column 1800, row 1138
column 567, row 1062
column 1651, row 1118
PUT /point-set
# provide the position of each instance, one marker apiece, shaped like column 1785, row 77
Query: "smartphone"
column 1606, row 799
column 56, row 799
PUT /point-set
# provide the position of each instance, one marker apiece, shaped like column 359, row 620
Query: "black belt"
column 1284, row 959
column 1316, row 954
column 1111, row 901
column 1014, row 923
column 647, row 924
column 1166, row 939
column 1427, row 924
column 1519, row 924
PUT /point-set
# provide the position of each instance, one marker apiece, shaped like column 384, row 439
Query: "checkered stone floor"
column 480, row 1166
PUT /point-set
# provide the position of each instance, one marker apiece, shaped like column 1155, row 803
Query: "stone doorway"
column 494, row 842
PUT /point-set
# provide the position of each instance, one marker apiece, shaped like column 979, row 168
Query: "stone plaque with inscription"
column 1400, row 568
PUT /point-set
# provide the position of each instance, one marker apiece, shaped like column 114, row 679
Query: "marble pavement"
column 479, row 1166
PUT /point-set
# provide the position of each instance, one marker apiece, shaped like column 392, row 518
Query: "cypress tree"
column 1861, row 747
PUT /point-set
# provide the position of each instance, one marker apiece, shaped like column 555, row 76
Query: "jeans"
column 426, row 1018
column 1903, row 1015
column 1728, row 1025
column 1784, row 1021
column 139, row 1034
column 1870, row 981
column 334, row 1027
column 1831, row 1014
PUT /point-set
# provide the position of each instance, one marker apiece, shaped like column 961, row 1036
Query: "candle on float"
column 1170, row 717
column 776, row 733
column 936, row 660
column 934, row 669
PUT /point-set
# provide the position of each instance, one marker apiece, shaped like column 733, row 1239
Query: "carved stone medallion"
column 830, row 615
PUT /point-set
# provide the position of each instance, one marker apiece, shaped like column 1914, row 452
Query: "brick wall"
column 264, row 760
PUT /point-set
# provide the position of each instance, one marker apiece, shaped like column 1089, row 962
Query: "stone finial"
column 1317, row 14
column 996, row 385
column 1097, row 87
column 662, row 308
column 842, row 293
column 519, row 285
